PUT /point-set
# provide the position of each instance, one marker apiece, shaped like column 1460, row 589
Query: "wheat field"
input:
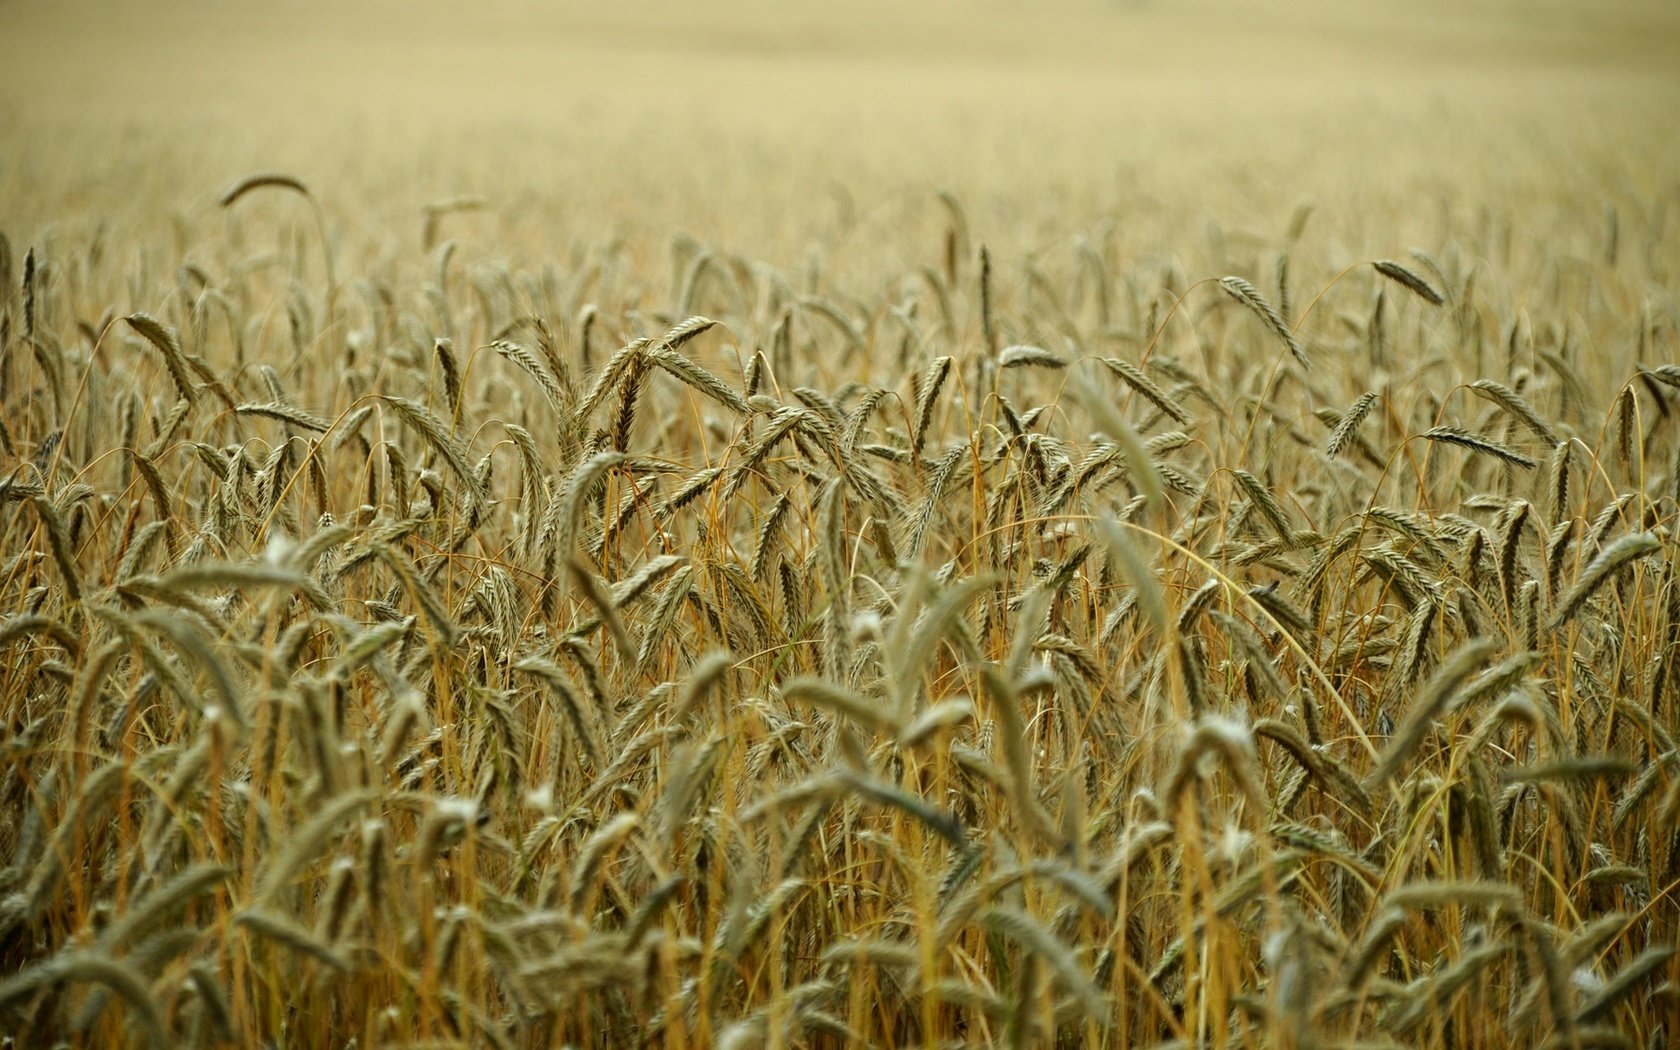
column 789, row 525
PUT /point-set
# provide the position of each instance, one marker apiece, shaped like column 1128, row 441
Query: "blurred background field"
column 772, row 126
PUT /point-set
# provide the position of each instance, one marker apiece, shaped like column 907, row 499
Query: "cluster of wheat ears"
column 1051, row 650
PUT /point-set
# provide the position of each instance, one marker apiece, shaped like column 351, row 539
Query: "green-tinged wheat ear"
column 1510, row 544
column 1517, row 407
column 1626, row 426
column 769, row 535
column 664, row 617
column 212, row 998
column 1527, row 613
column 1006, row 698
column 952, row 465
column 1306, row 756
column 612, row 374
column 1286, row 309
column 533, row 367
column 1266, row 503
column 598, row 596
column 1557, row 548
column 276, row 180
column 435, row 434
column 1245, row 293
column 629, row 393
column 1628, row 978
column 1377, row 936
column 162, row 903
column 1465, row 439
column 25, row 625
column 945, row 714
column 1433, row 698
column 1043, row 944
column 1609, row 561
column 1557, row 482
column 872, row 951
column 1432, row 994
column 842, row 701
column 1614, row 512
column 58, row 539
column 1234, row 744
column 707, row 675
column 444, row 353
column 1144, row 472
column 595, row 850
column 259, row 181
column 297, row 417
column 282, row 930
column 1411, row 281
column 1348, row 425
column 1138, row 380
column 90, row 967
column 578, row 490
column 565, row 690
column 306, row 843
column 1425, row 895
column 168, row 344
column 631, row 589
column 927, row 397
column 424, row 595
column 1022, row 355
column 688, row 371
